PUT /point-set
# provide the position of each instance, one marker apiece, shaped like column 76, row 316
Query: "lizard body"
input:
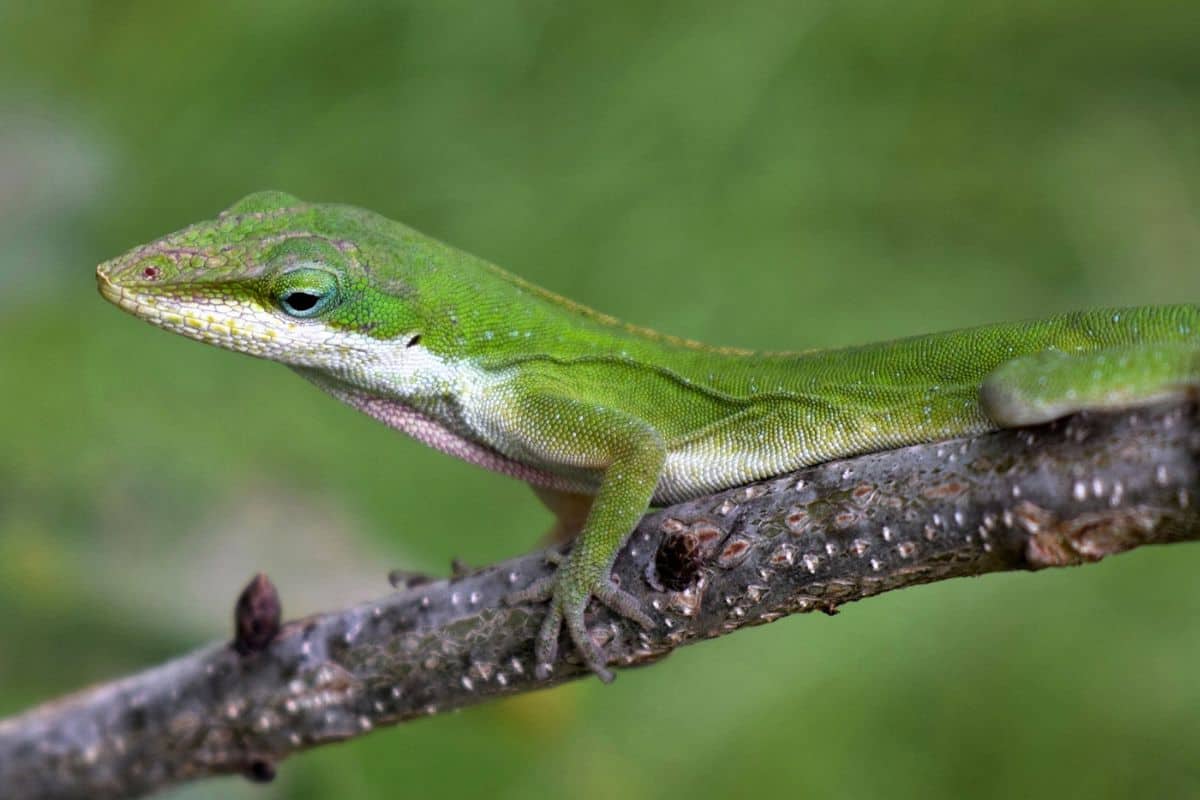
column 482, row 365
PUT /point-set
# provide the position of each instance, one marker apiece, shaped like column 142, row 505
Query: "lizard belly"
column 776, row 440
column 706, row 467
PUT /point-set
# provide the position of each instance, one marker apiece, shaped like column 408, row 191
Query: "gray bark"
column 1067, row 493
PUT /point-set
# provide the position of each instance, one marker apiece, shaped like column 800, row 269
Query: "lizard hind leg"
column 1044, row 386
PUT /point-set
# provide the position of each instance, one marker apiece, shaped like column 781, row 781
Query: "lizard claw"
column 567, row 606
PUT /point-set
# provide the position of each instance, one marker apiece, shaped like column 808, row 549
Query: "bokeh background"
column 758, row 174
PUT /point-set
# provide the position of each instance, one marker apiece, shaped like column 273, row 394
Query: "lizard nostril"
column 150, row 273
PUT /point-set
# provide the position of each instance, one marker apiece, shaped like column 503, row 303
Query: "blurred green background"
column 776, row 175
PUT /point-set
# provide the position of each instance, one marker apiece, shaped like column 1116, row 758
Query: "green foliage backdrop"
column 756, row 174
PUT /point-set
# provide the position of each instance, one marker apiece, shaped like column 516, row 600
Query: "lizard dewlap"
column 604, row 418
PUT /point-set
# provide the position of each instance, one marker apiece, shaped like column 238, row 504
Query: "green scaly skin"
column 480, row 364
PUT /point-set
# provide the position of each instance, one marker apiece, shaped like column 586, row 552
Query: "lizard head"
column 327, row 289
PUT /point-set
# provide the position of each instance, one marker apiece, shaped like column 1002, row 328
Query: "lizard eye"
column 305, row 293
column 300, row 302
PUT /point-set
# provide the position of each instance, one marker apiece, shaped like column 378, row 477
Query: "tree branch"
column 1066, row 493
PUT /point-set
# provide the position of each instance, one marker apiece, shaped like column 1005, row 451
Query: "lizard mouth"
column 241, row 325
column 113, row 292
column 163, row 311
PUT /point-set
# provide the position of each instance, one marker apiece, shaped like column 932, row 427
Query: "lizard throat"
column 431, row 432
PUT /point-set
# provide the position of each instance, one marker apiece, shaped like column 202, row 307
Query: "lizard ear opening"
column 262, row 201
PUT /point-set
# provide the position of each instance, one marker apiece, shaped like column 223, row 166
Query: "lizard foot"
column 569, row 594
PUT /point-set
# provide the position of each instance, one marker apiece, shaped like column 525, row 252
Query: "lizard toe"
column 592, row 657
column 539, row 591
column 569, row 593
column 546, row 648
column 623, row 603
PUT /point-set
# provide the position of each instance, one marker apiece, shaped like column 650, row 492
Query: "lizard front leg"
column 629, row 454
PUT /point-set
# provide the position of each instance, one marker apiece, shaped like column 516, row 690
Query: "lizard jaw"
column 232, row 323
column 111, row 291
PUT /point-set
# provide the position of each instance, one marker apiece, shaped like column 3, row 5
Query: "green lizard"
column 602, row 418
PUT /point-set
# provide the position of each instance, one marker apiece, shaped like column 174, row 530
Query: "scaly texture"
column 482, row 365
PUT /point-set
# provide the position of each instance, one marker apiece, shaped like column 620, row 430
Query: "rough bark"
column 1063, row 494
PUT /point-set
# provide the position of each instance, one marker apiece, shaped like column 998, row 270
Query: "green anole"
column 603, row 418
